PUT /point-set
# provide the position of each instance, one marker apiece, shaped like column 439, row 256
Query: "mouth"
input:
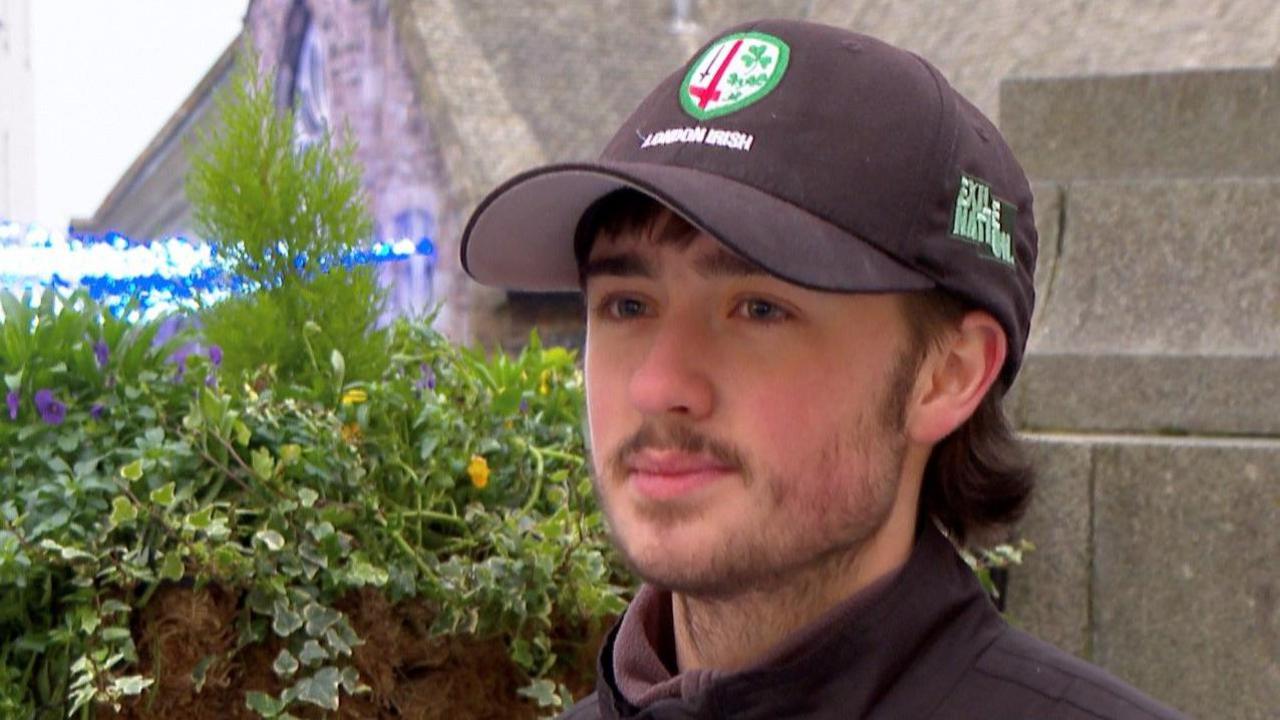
column 670, row 475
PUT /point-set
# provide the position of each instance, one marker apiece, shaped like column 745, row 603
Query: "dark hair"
column 977, row 479
column 627, row 212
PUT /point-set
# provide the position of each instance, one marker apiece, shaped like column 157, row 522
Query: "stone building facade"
column 341, row 67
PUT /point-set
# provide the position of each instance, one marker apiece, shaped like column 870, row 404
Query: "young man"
column 808, row 272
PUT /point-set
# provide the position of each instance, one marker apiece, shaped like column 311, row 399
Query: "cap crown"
column 862, row 135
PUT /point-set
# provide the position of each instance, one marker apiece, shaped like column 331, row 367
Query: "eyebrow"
column 719, row 263
column 723, row 263
column 626, row 264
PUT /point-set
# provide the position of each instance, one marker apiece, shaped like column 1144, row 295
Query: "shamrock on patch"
column 755, row 54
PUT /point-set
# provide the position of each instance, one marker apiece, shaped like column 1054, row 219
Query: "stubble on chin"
column 815, row 520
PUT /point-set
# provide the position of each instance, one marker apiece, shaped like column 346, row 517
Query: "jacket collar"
column 861, row 655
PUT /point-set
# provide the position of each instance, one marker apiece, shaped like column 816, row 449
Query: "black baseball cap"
column 833, row 160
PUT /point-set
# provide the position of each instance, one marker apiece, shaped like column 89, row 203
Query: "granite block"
column 1186, row 583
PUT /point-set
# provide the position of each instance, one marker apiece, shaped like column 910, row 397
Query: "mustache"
column 674, row 437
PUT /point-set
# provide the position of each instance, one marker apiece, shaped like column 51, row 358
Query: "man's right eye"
column 623, row 307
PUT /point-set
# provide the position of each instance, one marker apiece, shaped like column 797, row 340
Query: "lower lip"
column 669, row 487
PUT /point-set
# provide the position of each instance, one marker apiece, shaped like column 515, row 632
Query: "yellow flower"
column 354, row 396
column 351, row 433
column 478, row 470
column 543, row 387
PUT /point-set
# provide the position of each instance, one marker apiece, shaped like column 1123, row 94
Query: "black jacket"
column 931, row 646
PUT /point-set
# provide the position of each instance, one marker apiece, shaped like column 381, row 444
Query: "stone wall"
column 1151, row 389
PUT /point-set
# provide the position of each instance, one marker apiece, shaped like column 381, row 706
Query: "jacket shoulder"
column 1020, row 676
column 588, row 708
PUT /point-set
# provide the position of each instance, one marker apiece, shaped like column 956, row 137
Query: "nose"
column 673, row 374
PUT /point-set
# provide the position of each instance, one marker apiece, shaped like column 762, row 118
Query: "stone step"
column 1158, row 308
column 1155, row 558
column 1162, row 267
column 1157, row 394
column 1204, row 123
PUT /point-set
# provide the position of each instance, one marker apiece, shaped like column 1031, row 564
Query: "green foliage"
column 451, row 477
column 115, row 383
column 999, row 557
column 281, row 217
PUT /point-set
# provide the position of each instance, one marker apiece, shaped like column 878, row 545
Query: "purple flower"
column 182, row 369
column 211, row 381
column 97, row 410
column 524, row 406
column 215, row 355
column 427, row 381
column 13, row 399
column 101, row 352
column 51, row 411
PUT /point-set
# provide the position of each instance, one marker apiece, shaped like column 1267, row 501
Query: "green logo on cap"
column 982, row 218
column 734, row 72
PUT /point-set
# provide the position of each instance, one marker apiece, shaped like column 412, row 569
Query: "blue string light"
column 157, row 274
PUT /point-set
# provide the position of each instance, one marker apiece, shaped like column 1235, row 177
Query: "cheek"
column 606, row 403
column 797, row 407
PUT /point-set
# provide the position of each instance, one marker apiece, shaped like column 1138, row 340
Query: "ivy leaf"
column 172, row 569
column 272, row 539
column 312, row 654
column 67, row 553
column 263, row 464
column 289, row 453
column 132, row 471
column 284, row 620
column 264, row 704
column 337, row 643
column 320, row 689
column 200, row 519
column 351, row 681
column 163, row 495
column 543, row 692
column 122, row 511
column 319, row 618
column 306, row 496
column 285, row 664
column 115, row 634
column 242, row 433
column 362, row 572
column 132, row 684
column 111, row 607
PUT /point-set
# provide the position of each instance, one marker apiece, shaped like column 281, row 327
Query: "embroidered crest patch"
column 734, row 72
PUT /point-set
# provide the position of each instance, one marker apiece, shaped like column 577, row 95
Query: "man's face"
column 742, row 428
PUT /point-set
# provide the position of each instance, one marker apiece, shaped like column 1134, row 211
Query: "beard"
column 810, row 520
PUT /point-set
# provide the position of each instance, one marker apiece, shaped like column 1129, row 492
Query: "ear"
column 953, row 379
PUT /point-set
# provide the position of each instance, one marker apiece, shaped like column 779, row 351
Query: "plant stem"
column 407, row 548
column 537, row 479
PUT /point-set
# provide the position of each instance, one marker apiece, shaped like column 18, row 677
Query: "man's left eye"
column 757, row 309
